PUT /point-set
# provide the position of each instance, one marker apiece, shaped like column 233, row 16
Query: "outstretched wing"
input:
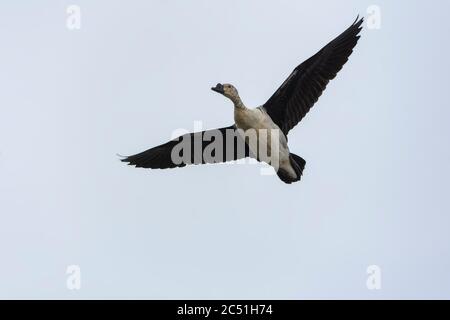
column 211, row 146
column 301, row 90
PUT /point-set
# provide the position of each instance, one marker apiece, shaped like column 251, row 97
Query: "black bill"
column 218, row 88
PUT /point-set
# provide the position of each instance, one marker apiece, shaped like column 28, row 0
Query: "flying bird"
column 282, row 112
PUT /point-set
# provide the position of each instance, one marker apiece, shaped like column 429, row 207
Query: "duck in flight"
column 282, row 112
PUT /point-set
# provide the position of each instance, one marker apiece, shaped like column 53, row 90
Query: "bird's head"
column 228, row 90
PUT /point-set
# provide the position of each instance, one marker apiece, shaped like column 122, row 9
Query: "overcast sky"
column 374, row 191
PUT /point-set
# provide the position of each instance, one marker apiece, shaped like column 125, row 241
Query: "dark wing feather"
column 160, row 157
column 301, row 90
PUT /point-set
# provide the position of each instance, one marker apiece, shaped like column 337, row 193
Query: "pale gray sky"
column 374, row 191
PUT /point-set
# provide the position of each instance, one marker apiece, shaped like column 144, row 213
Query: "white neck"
column 238, row 103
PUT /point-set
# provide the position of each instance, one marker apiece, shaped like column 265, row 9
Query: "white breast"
column 258, row 119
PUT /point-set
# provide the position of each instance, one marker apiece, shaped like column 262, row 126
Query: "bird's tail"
column 298, row 164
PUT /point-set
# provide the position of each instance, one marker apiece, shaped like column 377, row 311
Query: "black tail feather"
column 298, row 164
